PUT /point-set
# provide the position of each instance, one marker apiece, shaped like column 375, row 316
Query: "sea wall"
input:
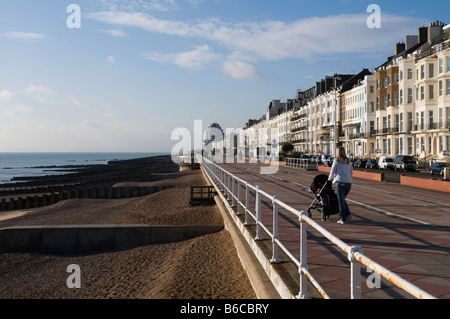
column 27, row 202
column 84, row 239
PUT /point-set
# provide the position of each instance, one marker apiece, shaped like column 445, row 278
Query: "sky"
column 122, row 76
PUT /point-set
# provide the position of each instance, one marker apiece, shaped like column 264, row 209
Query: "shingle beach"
column 205, row 267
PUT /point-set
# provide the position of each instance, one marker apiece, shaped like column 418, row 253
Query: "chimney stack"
column 423, row 35
column 435, row 31
column 399, row 48
column 411, row 40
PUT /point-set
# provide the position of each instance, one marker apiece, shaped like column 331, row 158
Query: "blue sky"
column 136, row 70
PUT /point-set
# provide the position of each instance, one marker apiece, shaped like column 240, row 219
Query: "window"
column 410, row 121
column 401, row 75
column 441, row 88
column 410, row 145
column 423, row 143
column 431, row 70
column 397, row 98
column 422, row 72
column 448, row 143
column 385, row 83
column 389, row 80
column 448, row 87
column 441, row 65
column 441, row 117
column 448, row 64
column 431, row 92
column 401, row 97
column 389, row 100
column 371, row 90
column 441, row 144
column 431, row 117
column 384, row 102
column 410, row 74
column 448, row 120
column 410, row 95
column 422, row 93
column 397, row 79
column 422, row 120
column 372, row 107
column 401, row 128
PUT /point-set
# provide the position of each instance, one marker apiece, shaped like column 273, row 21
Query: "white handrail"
column 223, row 178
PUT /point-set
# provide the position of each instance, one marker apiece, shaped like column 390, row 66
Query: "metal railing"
column 232, row 186
column 301, row 163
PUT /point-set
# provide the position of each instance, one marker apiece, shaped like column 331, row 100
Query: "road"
column 405, row 229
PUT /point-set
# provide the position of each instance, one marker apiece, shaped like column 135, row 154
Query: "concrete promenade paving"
column 405, row 229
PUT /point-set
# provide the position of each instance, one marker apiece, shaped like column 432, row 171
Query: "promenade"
column 405, row 229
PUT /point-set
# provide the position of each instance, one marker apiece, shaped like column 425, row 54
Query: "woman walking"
column 341, row 175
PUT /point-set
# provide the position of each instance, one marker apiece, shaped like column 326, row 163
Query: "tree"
column 287, row 147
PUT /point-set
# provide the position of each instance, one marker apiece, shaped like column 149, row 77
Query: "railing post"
column 275, row 259
column 239, row 197
column 228, row 187
column 355, row 269
column 233, row 192
column 303, row 294
column 246, row 222
column 258, row 213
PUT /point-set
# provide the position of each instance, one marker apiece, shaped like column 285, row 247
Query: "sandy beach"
column 205, row 267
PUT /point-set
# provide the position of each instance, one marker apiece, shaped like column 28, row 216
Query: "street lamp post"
column 335, row 79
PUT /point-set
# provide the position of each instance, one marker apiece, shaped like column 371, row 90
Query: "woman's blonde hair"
column 341, row 157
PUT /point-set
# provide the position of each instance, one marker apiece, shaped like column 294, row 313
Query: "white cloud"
column 275, row 40
column 24, row 36
column 115, row 32
column 194, row 60
column 110, row 59
column 6, row 95
column 35, row 89
column 241, row 70
column 19, row 110
column 88, row 124
column 137, row 5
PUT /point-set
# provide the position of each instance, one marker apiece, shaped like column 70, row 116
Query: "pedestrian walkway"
column 405, row 229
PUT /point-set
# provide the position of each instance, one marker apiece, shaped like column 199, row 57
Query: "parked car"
column 328, row 162
column 386, row 162
column 405, row 163
column 360, row 163
column 438, row 168
column 371, row 163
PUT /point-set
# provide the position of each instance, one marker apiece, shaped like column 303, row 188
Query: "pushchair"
column 325, row 200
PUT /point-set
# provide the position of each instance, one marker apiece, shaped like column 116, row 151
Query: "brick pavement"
column 405, row 229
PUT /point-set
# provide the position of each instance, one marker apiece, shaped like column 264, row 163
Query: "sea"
column 41, row 164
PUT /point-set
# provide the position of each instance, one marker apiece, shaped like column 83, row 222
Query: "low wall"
column 442, row 186
column 84, row 239
column 27, row 202
column 379, row 177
